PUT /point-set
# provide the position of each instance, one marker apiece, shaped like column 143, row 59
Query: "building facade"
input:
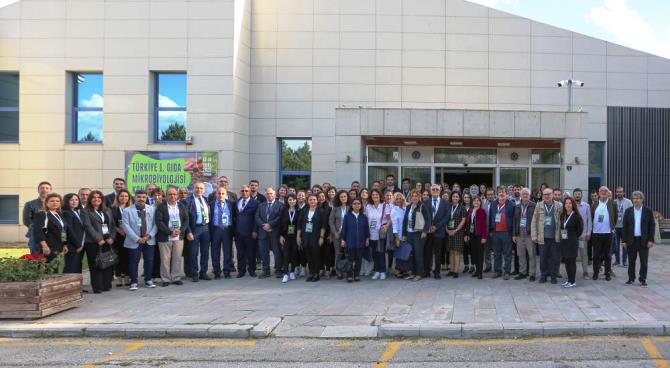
column 434, row 90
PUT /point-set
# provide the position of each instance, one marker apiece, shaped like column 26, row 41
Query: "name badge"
column 105, row 229
column 176, row 224
column 291, row 230
column 205, row 218
column 63, row 236
column 472, row 228
column 139, row 221
column 224, row 220
column 523, row 223
column 601, row 217
column 498, row 217
column 450, row 224
column 548, row 221
column 564, row 234
column 410, row 224
column 308, row 227
column 373, row 224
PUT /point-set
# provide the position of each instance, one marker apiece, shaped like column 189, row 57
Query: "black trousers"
column 378, row 258
column 589, row 249
column 290, row 254
column 428, row 252
column 355, row 256
column 635, row 249
column 439, row 246
column 601, row 253
column 571, row 268
column 327, row 254
column 313, row 258
column 246, row 254
column 477, row 254
column 101, row 280
column 187, row 258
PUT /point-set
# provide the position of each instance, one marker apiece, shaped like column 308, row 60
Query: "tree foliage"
column 89, row 137
column 174, row 132
column 296, row 159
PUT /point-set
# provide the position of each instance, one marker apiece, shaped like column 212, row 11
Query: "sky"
column 639, row 24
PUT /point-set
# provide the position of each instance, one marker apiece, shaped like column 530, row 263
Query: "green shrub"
column 28, row 268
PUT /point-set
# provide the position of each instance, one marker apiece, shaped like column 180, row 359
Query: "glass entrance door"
column 513, row 176
column 465, row 176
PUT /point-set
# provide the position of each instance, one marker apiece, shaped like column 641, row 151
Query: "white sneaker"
column 569, row 285
column 302, row 272
column 565, row 283
column 284, row 279
column 133, row 287
column 150, row 284
column 375, row 276
column 292, row 276
column 382, row 276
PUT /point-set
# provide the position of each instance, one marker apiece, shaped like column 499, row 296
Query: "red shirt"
column 502, row 225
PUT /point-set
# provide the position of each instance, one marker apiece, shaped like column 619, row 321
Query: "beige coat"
column 537, row 224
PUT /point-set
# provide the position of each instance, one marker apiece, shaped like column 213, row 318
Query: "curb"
column 265, row 328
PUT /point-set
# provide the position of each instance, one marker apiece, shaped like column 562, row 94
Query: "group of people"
column 325, row 232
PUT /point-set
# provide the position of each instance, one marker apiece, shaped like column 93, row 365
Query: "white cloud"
column 629, row 28
column 94, row 101
column 165, row 101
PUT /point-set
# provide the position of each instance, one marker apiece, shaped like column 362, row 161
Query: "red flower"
column 33, row 257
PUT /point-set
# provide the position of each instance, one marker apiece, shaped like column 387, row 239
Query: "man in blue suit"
column 267, row 222
column 221, row 231
column 244, row 220
column 438, row 213
column 198, row 218
column 501, row 219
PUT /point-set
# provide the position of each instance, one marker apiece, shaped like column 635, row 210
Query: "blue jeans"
column 222, row 238
column 549, row 258
column 200, row 243
column 417, row 249
column 502, row 250
column 616, row 247
column 270, row 242
column 147, row 252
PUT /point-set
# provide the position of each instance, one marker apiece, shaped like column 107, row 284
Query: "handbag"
column 382, row 231
column 419, row 221
column 402, row 253
column 343, row 265
column 106, row 259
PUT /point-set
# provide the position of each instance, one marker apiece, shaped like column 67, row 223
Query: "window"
column 383, row 154
column 9, row 108
column 549, row 176
column 466, row 155
column 170, row 107
column 295, row 163
column 87, row 107
column 380, row 172
column 546, row 157
column 596, row 164
column 513, row 176
column 9, row 209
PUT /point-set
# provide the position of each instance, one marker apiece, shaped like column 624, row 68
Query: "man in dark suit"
column 501, row 220
column 244, row 220
column 638, row 236
column 221, row 230
column 119, row 183
column 254, row 185
column 267, row 222
column 30, row 209
column 198, row 218
column 222, row 182
column 437, row 234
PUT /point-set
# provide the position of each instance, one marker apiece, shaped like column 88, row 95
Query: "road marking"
column 391, row 349
column 654, row 354
column 128, row 349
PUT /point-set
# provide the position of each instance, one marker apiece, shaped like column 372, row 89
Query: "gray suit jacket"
column 273, row 218
column 335, row 220
column 131, row 221
column 29, row 211
column 93, row 225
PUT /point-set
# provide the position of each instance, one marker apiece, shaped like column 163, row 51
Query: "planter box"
column 40, row 298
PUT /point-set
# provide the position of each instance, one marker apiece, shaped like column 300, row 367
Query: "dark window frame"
column 157, row 109
column 280, row 163
column 10, row 221
column 13, row 109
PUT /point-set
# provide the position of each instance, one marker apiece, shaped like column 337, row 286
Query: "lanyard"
column 547, row 211
column 473, row 216
column 568, row 219
column 500, row 208
column 310, row 214
column 291, row 216
column 436, row 203
column 454, row 210
column 101, row 215
column 343, row 210
column 76, row 213
column 524, row 210
column 60, row 220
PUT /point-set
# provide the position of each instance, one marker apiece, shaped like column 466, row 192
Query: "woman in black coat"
column 572, row 226
column 72, row 214
column 100, row 233
column 288, row 231
column 311, row 232
column 49, row 228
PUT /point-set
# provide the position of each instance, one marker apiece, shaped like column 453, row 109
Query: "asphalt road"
column 605, row 352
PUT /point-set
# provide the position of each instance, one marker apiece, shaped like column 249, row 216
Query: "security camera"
column 562, row 83
column 578, row 83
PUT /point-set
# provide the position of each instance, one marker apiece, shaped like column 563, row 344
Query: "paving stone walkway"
column 464, row 307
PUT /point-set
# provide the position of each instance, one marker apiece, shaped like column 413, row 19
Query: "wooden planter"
column 40, row 298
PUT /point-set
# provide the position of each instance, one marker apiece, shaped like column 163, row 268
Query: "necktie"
column 202, row 210
column 244, row 203
column 268, row 211
column 435, row 204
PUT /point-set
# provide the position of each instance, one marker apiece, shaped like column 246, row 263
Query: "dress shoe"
column 178, row 282
column 497, row 275
column 240, row 275
column 164, row 284
column 226, row 276
column 437, row 276
column 643, row 284
column 595, row 277
column 204, row 277
column 520, row 277
column 217, row 277
column 630, row 282
column 195, row 279
column 554, row 281
column 543, row 280
column 531, row 279
column 608, row 278
column 252, row 274
column 455, row 275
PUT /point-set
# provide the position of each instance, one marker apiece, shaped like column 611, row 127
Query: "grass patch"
column 13, row 252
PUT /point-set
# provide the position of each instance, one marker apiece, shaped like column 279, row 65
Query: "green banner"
column 164, row 169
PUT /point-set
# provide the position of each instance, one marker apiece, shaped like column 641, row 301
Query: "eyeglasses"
column 435, row 190
column 245, row 191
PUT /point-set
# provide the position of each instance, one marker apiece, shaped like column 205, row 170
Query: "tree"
column 89, row 137
column 296, row 160
column 174, row 132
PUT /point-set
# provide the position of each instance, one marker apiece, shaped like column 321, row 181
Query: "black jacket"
column 51, row 234
column 75, row 226
column 647, row 226
column 162, row 218
column 575, row 227
column 319, row 221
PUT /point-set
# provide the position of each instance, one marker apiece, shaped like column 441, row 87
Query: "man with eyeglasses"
column 437, row 207
column 222, row 182
column 604, row 214
column 267, row 223
column 221, row 230
column 501, row 216
column 245, row 232
column 545, row 230
column 199, row 218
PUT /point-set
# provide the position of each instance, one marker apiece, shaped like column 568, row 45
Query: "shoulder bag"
column 419, row 221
